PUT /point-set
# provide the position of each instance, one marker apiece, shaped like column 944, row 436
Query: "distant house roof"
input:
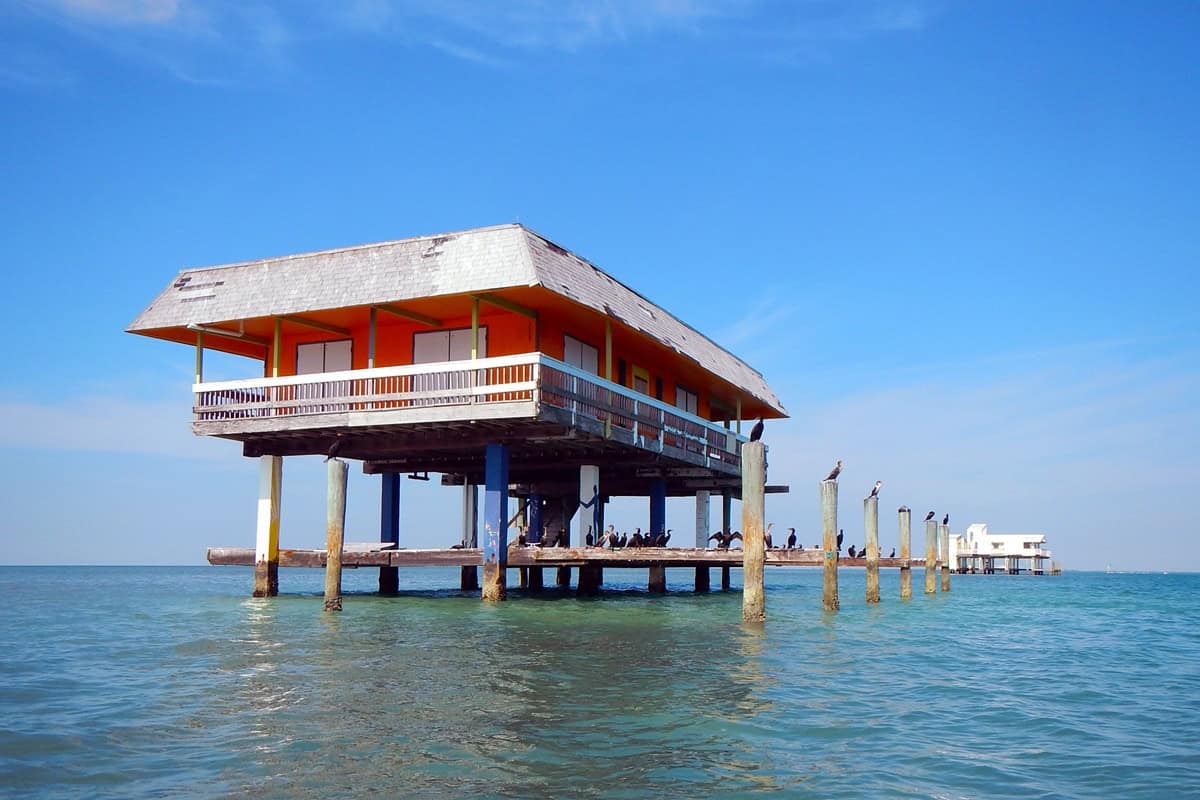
column 470, row 261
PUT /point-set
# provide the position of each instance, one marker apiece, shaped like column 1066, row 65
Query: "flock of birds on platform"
column 613, row 540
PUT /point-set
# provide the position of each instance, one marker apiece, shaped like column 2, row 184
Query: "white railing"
column 649, row 423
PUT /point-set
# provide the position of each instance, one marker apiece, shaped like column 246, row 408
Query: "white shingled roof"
column 476, row 260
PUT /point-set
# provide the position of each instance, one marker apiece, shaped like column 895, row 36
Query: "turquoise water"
column 165, row 682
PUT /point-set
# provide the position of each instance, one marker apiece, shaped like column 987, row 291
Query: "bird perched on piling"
column 875, row 490
column 946, row 520
column 902, row 509
column 841, row 534
column 757, row 431
column 929, row 516
column 833, row 473
column 791, row 540
column 336, row 447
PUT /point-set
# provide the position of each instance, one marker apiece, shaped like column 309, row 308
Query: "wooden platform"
column 633, row 557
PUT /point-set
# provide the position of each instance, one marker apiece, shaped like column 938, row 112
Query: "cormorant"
column 875, row 489
column 929, row 516
column 624, row 540
column 852, row 552
column 589, row 540
column 893, row 555
column 902, row 509
column 791, row 540
column 757, row 431
column 336, row 447
column 767, row 535
column 946, row 520
column 841, row 533
column 833, row 473
column 563, row 539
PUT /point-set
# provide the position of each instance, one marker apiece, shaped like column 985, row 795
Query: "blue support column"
column 658, row 506
column 389, row 528
column 495, row 522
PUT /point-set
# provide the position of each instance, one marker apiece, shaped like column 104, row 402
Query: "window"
column 314, row 357
column 686, row 400
column 580, row 354
column 431, row 347
column 658, row 389
column 621, row 370
column 641, row 380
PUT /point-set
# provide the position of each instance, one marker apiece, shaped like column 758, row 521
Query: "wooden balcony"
column 528, row 397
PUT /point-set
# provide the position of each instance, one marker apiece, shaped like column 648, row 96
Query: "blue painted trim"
column 535, row 519
column 658, row 506
column 389, row 508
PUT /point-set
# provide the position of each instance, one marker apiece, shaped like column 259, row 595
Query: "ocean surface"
column 172, row 682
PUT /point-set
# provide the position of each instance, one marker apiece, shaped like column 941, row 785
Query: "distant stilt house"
column 492, row 356
column 979, row 550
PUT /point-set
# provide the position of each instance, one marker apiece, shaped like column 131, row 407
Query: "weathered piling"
column 590, row 578
column 725, row 579
column 945, row 557
column 266, row 547
column 930, row 556
column 657, row 582
column 702, row 578
column 905, row 554
column 335, row 527
column 469, row 576
column 389, row 529
column 702, row 517
column 563, row 578
column 829, row 530
column 754, row 480
column 871, row 514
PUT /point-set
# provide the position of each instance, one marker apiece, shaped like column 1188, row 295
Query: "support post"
column 905, row 554
column 657, row 583
column 703, row 506
column 532, row 536
column 588, row 518
column 563, row 578
column 199, row 356
column 871, row 513
column 335, row 528
column 658, row 506
column 590, row 578
column 371, row 339
column 475, row 330
column 726, row 524
column 389, row 528
column 276, row 345
column 945, row 548
column 495, row 522
column 829, row 531
column 931, row 527
column 468, row 580
column 266, row 540
column 754, row 481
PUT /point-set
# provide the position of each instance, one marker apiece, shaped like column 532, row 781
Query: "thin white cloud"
column 116, row 12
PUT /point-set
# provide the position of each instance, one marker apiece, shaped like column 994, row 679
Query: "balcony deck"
column 438, row 417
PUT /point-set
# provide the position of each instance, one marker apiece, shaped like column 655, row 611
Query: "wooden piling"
column 702, row 579
column 469, row 576
column 266, row 546
column 905, row 554
column 590, row 578
column 754, row 480
column 945, row 557
column 829, row 531
column 871, row 514
column 563, row 578
column 724, row 579
column 702, row 519
column 657, row 583
column 535, row 579
column 335, row 527
column 931, row 556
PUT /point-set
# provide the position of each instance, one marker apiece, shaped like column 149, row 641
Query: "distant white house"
column 979, row 549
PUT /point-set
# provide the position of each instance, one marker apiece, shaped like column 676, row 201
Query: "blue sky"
column 959, row 239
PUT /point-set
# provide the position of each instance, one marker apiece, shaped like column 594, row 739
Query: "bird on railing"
column 722, row 540
column 875, row 490
column 757, row 431
column 791, row 540
column 852, row 552
column 893, row 555
column 624, row 541
column 767, row 535
column 833, row 473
